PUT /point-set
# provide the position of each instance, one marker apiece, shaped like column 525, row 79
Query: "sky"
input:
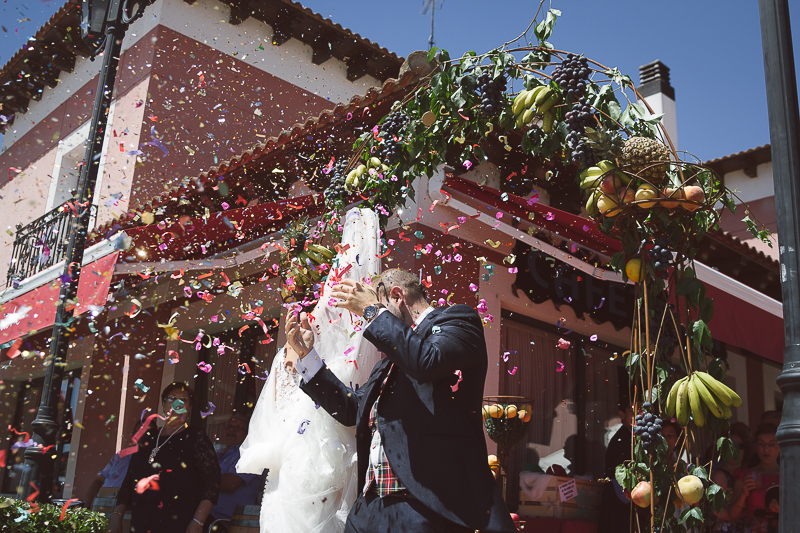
column 712, row 47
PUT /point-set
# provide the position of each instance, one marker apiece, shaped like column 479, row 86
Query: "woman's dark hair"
column 178, row 385
column 765, row 429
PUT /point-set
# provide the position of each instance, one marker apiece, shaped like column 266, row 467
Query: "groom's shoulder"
column 459, row 312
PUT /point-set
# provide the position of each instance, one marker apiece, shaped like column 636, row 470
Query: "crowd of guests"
column 750, row 478
column 177, row 481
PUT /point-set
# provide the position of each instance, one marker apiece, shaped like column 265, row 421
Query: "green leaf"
column 716, row 496
column 624, row 477
column 432, row 53
column 701, row 335
column 544, row 29
column 726, row 449
column 707, row 310
column 698, row 471
column 614, row 109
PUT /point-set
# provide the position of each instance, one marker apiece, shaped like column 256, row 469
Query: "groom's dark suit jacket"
column 433, row 437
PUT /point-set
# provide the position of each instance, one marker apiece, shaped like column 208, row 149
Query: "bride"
column 312, row 458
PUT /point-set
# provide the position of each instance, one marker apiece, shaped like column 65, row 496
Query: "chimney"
column 660, row 95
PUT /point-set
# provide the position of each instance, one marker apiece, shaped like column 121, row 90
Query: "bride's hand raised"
column 298, row 333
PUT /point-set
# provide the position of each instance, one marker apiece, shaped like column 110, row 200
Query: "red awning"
column 42, row 301
column 736, row 321
column 202, row 236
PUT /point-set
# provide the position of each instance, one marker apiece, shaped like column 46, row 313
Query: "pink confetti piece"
column 505, row 356
column 468, row 164
column 473, row 287
column 128, row 451
column 593, row 338
column 602, row 301
column 205, row 367
column 586, row 228
column 512, row 372
column 498, row 215
column 488, row 319
column 457, row 258
column 482, row 306
column 513, row 270
column 563, row 344
column 455, row 387
column 550, row 216
column 462, row 220
column 561, row 366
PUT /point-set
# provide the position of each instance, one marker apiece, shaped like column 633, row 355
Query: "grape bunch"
column 647, row 428
column 391, row 130
column 491, row 94
column 661, row 257
column 572, row 75
column 335, row 191
column 581, row 116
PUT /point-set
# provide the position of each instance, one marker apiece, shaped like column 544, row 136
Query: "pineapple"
column 639, row 155
column 604, row 145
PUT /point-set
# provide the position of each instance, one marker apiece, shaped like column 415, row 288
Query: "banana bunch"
column 356, row 177
column 540, row 101
column 700, row 393
column 304, row 268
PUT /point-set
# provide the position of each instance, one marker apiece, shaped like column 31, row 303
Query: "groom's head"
column 402, row 294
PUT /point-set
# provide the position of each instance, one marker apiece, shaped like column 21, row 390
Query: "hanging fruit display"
column 593, row 132
column 303, row 264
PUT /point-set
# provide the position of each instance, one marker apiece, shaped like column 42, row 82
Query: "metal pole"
column 784, row 132
column 39, row 464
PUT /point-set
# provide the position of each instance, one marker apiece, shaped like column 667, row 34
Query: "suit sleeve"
column 456, row 342
column 339, row 400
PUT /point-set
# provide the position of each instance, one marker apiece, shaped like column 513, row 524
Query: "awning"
column 199, row 237
column 36, row 309
column 743, row 317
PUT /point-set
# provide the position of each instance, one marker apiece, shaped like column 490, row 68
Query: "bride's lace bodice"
column 287, row 383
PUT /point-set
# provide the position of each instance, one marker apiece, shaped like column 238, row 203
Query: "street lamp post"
column 784, row 133
column 104, row 23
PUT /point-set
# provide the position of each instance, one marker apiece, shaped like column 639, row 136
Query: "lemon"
column 633, row 269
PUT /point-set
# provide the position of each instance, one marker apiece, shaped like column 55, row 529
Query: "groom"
column 421, row 451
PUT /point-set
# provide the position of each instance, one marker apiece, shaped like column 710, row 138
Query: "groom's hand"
column 298, row 333
column 354, row 296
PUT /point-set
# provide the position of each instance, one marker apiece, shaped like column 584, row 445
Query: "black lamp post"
column 103, row 26
column 784, row 133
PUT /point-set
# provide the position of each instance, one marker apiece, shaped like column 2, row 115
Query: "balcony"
column 40, row 244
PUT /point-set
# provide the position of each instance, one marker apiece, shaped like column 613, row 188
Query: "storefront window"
column 575, row 393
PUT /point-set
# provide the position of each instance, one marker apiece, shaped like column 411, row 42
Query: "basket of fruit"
column 506, row 418
column 303, row 264
column 640, row 177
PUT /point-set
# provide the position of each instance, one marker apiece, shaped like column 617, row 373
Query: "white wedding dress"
column 312, row 458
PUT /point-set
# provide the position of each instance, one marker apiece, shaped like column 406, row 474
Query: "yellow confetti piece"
column 492, row 243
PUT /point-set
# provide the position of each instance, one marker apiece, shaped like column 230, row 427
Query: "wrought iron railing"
column 40, row 244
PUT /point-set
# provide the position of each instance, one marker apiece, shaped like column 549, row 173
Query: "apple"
column 641, row 494
column 608, row 205
column 646, row 192
column 515, row 517
column 690, row 489
column 610, row 184
column 628, row 195
column 511, row 411
column 693, row 194
column 672, row 194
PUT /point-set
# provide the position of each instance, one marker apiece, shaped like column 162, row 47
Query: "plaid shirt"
column 379, row 471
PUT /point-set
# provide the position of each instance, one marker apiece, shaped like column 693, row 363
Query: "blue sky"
column 713, row 47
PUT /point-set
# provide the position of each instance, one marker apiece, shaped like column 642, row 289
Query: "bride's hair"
column 399, row 277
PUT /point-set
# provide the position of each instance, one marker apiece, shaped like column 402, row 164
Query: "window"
column 575, row 394
column 69, row 163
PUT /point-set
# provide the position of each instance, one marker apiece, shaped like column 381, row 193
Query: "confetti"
column 482, row 306
column 563, row 344
column 512, row 372
column 65, row 507
column 560, row 367
column 211, row 408
column 593, row 338
column 302, row 428
column 139, row 384
column 148, row 483
column 205, row 367
column 455, row 387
